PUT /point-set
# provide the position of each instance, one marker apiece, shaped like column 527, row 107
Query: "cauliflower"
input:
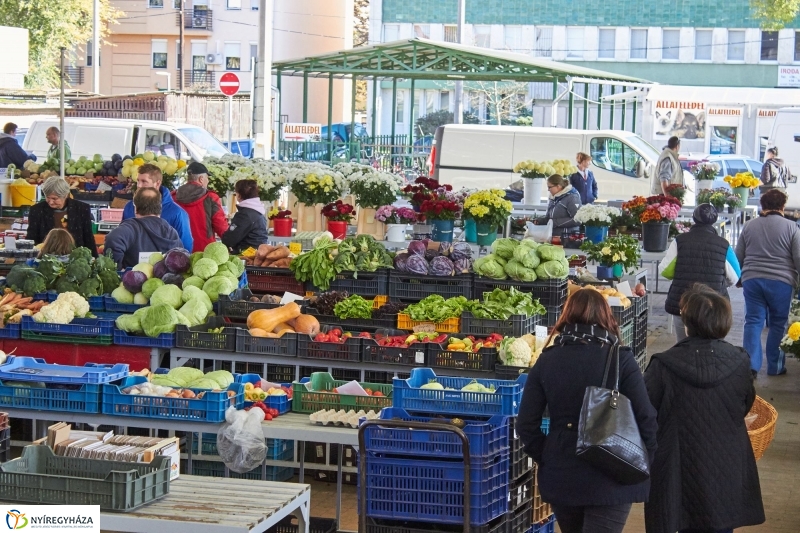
column 515, row 352
column 78, row 304
column 58, row 312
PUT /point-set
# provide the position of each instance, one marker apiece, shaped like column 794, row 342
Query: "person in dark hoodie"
column 147, row 232
column 775, row 173
column 249, row 226
column 703, row 477
column 206, row 217
column 10, row 150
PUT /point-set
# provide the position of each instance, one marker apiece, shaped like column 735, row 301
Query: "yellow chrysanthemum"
column 794, row 331
column 606, row 250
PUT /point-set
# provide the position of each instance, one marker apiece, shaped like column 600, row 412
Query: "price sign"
column 295, row 248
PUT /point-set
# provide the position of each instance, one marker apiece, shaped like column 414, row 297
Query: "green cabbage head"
column 527, row 256
column 489, row 267
column 517, row 271
column 552, row 270
column 150, row 286
column 218, row 285
column 185, row 376
column 195, row 311
column 158, row 319
column 129, row 324
column 205, row 268
column 216, row 251
column 167, row 294
column 504, row 248
column 195, row 281
column 548, row 252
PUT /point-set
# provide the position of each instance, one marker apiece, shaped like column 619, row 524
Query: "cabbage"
column 133, row 281
column 122, row 295
column 528, row 243
column 441, row 266
column 173, row 279
column 463, row 266
column 552, row 270
column 194, row 281
column 517, row 271
column 155, row 257
column 205, row 383
column 193, row 293
column 489, row 267
column 430, row 254
column 218, row 285
column 160, row 270
column 548, row 252
column 460, row 250
column 182, row 320
column 400, row 261
column 167, row 294
column 444, row 248
column 416, row 264
column 205, row 268
column 222, row 377
column 140, row 299
column 150, row 287
column 147, row 268
column 236, row 265
column 184, row 375
column 527, row 256
column 504, row 248
column 139, row 313
column 217, row 252
column 129, row 323
column 162, row 380
column 177, row 261
column 160, row 318
column 417, row 248
column 195, row 257
column 195, row 311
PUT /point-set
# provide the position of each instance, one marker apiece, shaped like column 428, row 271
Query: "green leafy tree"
column 775, row 14
column 51, row 25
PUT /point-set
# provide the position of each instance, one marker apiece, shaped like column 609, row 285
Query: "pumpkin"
column 306, row 324
column 282, row 327
column 268, row 319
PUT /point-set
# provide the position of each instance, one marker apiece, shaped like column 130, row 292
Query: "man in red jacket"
column 206, row 217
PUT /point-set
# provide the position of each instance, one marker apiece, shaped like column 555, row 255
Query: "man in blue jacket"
column 583, row 180
column 150, row 176
column 10, row 150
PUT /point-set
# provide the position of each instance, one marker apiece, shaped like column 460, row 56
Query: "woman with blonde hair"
column 58, row 242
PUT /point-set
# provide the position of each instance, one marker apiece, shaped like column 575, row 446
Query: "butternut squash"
column 268, row 319
column 258, row 332
column 282, row 326
column 306, row 324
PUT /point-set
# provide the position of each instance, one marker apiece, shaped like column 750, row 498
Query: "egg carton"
column 332, row 417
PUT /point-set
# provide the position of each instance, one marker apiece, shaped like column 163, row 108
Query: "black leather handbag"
column 608, row 435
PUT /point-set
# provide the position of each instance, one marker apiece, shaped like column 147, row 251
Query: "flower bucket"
column 396, row 232
column 654, row 236
column 367, row 225
column 617, row 270
column 743, row 193
column 282, row 227
column 486, row 234
column 443, row 230
column 338, row 228
column 596, row 234
column 605, row 272
column 470, row 230
column 532, row 193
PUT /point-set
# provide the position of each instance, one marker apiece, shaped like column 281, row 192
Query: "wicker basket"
column 762, row 429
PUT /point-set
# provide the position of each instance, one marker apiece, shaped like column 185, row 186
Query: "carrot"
column 8, row 296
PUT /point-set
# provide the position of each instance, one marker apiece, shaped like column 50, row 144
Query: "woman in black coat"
column 248, row 227
column 704, row 476
column 58, row 210
column 583, row 498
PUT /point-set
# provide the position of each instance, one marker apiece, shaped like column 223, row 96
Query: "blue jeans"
column 766, row 299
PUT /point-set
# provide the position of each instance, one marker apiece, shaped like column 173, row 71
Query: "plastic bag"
column 749, row 419
column 240, row 441
column 539, row 233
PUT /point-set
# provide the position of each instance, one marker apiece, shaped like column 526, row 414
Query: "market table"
column 199, row 504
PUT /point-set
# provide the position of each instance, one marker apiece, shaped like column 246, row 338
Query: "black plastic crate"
column 520, row 491
column 273, row 280
column 520, row 519
column 280, row 373
column 520, row 466
column 306, row 371
column 641, row 360
column 483, row 360
column 640, row 330
column 407, row 287
column 285, row 345
column 238, row 306
column 349, row 350
column 549, row 292
column 360, row 324
column 346, row 374
column 366, row 284
column 371, row 376
column 510, row 373
column 5, row 445
column 514, row 326
column 378, row 525
column 623, row 314
column 553, row 314
column 198, row 337
column 412, row 355
column 315, row 525
column 639, row 304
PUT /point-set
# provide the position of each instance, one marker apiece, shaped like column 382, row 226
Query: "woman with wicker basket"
column 704, row 477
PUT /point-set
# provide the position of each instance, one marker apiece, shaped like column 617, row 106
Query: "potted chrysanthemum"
column 490, row 210
column 597, row 219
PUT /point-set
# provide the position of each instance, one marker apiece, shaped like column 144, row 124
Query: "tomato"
column 377, row 393
column 335, row 331
column 322, row 337
column 268, row 417
column 365, row 335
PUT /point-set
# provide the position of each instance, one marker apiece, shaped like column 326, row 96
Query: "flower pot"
column 605, row 272
column 743, row 193
column 367, row 225
column 486, row 234
column 338, row 228
column 309, row 218
column 470, row 231
column 282, row 227
column 617, row 269
column 443, row 230
column 596, row 234
column 704, row 185
column 654, row 236
column 730, row 209
column 396, row 232
column 532, row 193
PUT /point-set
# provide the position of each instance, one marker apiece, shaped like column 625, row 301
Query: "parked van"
column 478, row 156
column 89, row 136
column 785, row 136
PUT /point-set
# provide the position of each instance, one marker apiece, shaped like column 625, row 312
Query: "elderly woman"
column 58, row 210
column 564, row 203
column 248, row 227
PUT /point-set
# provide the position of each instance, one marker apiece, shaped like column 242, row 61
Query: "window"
column 702, row 45
column 797, row 46
column 234, row 4
column 159, row 53
column 444, row 100
column 755, row 167
column 430, row 101
column 155, row 3
column 233, row 56
column 391, row 32
column 417, row 107
column 608, row 38
column 422, row 31
column 769, row 46
column 254, row 5
column 671, row 45
column 482, row 35
column 614, row 155
column 450, row 33
column 163, row 143
column 400, row 111
column 575, row 43
column 735, row 45
column 543, row 44
column 253, row 54
column 513, row 38
column 735, row 166
column 199, row 56
column 639, row 44
column 89, row 54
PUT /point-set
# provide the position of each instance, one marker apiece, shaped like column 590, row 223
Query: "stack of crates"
column 641, row 308
column 5, row 438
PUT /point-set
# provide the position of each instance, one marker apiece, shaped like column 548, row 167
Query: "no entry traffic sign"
column 229, row 84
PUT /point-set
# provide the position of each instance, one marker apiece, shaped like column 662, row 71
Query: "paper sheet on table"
column 290, row 297
column 625, row 288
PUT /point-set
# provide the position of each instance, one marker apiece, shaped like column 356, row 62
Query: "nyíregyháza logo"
column 15, row 519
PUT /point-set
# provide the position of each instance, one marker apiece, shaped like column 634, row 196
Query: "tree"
column 426, row 125
column 504, row 101
column 775, row 14
column 51, row 25
column 361, row 38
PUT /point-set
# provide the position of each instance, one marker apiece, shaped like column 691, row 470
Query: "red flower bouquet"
column 338, row 211
column 423, row 189
column 436, row 209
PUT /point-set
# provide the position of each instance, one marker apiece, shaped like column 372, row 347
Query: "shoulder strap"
column 612, row 351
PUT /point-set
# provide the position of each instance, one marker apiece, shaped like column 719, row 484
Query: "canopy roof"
column 422, row 59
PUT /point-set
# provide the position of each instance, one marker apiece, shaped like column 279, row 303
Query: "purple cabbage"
column 430, row 254
column 173, row 279
column 441, row 266
column 416, row 264
column 133, row 280
column 400, row 261
column 463, row 265
column 160, row 269
column 177, row 261
column 417, row 248
column 460, row 250
column 444, row 248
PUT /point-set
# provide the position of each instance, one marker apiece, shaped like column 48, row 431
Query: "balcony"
column 199, row 79
column 196, row 19
column 73, row 75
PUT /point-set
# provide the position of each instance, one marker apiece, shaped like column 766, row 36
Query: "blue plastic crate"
column 282, row 403
column 72, row 398
column 81, row 327
column 10, row 331
column 210, row 408
column 276, row 448
column 110, row 304
column 37, row 370
column 504, row 401
column 96, row 303
column 165, row 340
column 548, row 526
column 486, row 438
column 433, row 491
column 45, row 297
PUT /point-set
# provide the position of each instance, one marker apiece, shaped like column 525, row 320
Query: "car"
column 21, row 133
column 729, row 165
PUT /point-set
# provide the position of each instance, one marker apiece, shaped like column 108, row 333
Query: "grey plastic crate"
column 42, row 477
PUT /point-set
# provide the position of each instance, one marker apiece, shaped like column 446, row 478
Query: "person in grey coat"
column 769, row 253
column 564, row 203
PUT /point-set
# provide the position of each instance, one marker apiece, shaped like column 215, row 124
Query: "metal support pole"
column 263, row 129
column 374, row 108
column 624, row 108
column 230, row 123
column 352, row 116
column 633, row 125
column 180, row 47
column 458, row 110
column 330, row 111
column 411, row 115
column 600, row 107
column 61, row 141
column 586, row 106
column 570, row 109
column 96, row 47
column 613, row 106
column 555, row 103
column 279, row 86
column 394, row 107
column 305, row 97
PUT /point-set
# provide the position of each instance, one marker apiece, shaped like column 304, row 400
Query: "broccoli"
column 80, row 253
column 65, row 284
column 51, row 268
column 17, row 276
column 34, row 283
column 109, row 279
column 105, row 262
column 91, row 287
column 78, row 270
column 344, row 261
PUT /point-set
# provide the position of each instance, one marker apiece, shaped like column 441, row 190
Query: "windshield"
column 643, row 147
column 205, row 141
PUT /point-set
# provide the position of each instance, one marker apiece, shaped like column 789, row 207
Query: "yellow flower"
column 181, row 163
column 272, row 212
column 311, row 178
column 617, row 257
column 794, row 331
column 606, row 250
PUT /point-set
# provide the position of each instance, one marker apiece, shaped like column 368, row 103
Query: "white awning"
column 725, row 95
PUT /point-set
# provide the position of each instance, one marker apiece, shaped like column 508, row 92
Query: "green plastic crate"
column 100, row 340
column 321, row 397
column 42, row 477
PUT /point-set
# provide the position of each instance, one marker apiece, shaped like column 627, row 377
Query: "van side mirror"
column 641, row 168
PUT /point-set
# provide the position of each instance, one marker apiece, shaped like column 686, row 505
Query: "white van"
column 479, row 156
column 785, row 136
column 90, row 136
